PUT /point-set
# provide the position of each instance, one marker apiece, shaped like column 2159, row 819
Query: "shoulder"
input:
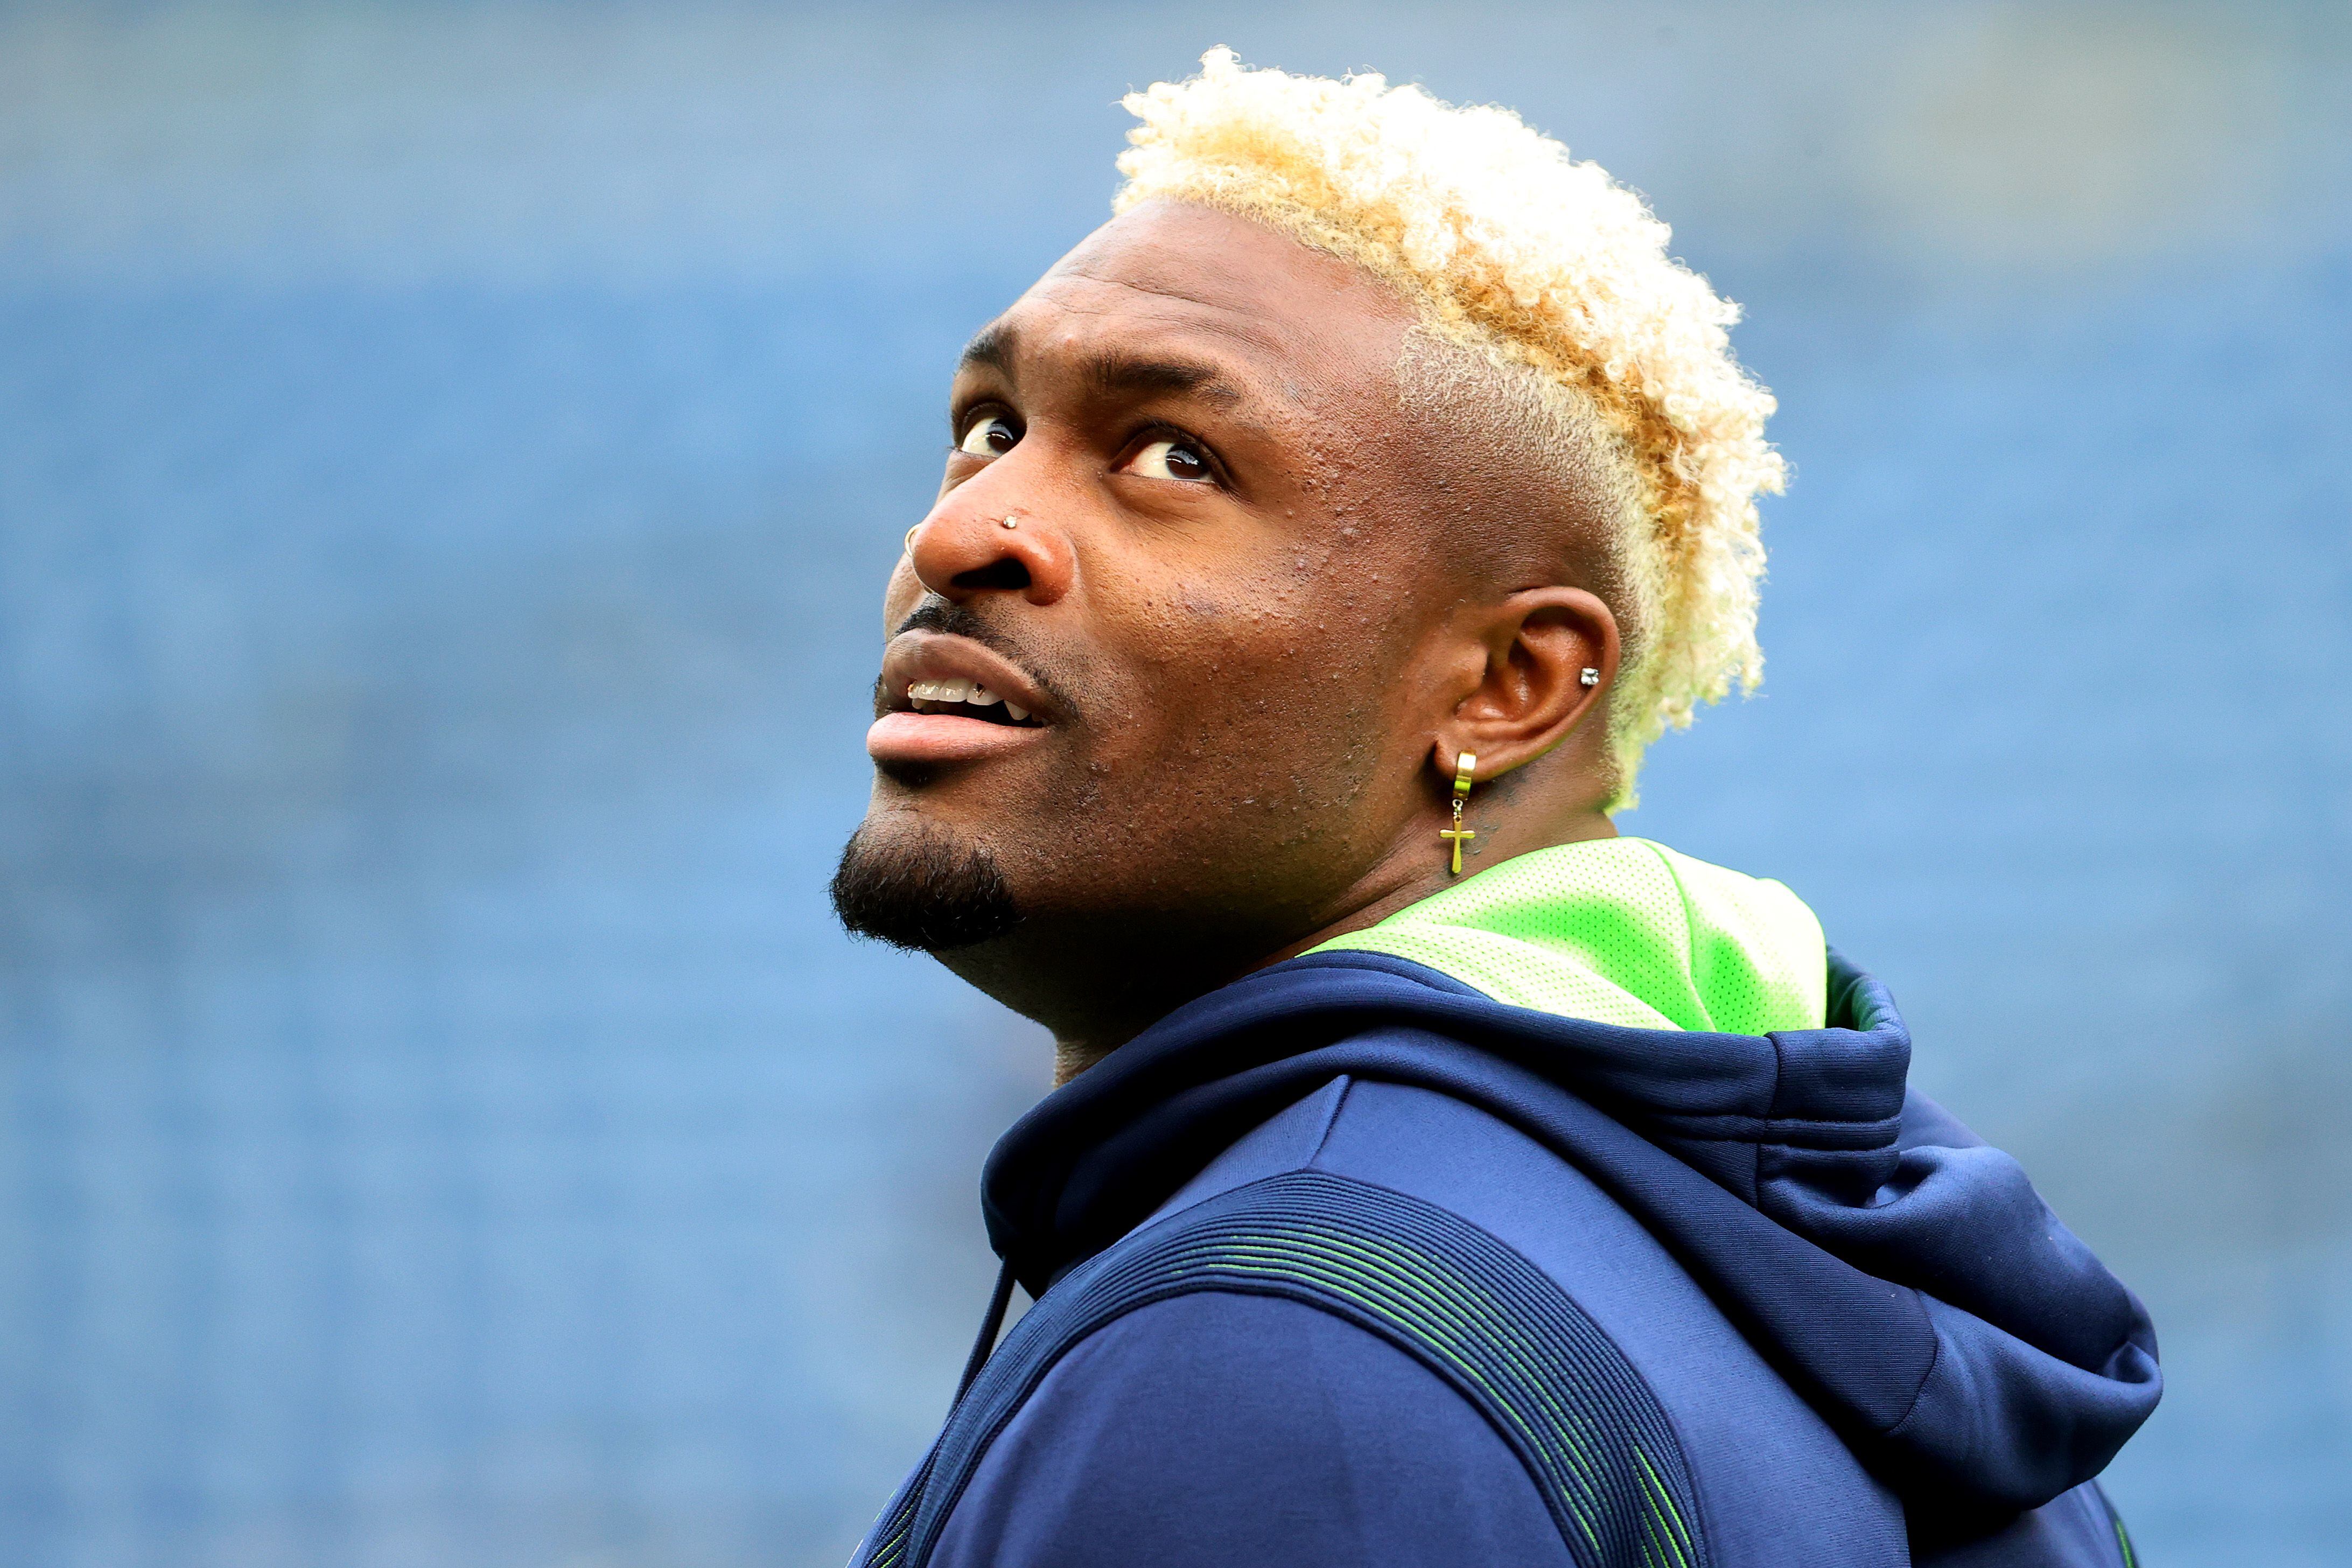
column 1395, row 1374
column 1219, row 1426
column 1771, row 1480
column 1388, row 1327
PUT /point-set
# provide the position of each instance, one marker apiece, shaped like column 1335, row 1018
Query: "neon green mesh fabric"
column 1620, row 931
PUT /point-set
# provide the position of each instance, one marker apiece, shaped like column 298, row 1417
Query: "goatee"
column 921, row 890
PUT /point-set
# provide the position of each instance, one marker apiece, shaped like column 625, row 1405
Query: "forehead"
column 1215, row 288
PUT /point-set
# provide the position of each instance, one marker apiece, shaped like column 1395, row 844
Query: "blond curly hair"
column 1510, row 247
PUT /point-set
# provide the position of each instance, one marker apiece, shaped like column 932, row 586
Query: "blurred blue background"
column 449, row 457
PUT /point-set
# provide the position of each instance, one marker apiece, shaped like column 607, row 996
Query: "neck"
column 1072, row 1058
column 1409, row 874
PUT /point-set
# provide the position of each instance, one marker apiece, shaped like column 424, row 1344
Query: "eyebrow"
column 991, row 349
column 1114, row 374
column 1111, row 372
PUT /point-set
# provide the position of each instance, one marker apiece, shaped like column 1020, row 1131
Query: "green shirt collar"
column 1620, row 931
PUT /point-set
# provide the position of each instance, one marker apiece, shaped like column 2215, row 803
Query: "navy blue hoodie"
column 1350, row 1262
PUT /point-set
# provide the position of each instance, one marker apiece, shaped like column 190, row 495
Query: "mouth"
column 947, row 699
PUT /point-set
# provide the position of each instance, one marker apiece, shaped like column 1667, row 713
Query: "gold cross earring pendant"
column 1463, row 764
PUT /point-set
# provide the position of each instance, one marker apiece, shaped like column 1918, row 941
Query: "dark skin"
column 1258, row 610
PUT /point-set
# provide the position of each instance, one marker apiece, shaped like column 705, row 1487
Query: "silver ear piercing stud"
column 1590, row 677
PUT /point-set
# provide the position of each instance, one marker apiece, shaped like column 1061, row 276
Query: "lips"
column 950, row 700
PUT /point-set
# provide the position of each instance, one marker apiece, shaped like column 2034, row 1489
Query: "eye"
column 990, row 438
column 1171, row 459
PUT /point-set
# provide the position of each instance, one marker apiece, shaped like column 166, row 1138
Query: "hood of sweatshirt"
column 1681, row 1034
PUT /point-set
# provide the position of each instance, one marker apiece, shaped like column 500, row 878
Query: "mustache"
column 950, row 620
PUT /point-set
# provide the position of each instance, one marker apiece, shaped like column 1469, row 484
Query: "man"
column 1433, row 1176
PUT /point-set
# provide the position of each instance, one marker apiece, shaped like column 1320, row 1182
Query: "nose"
column 966, row 548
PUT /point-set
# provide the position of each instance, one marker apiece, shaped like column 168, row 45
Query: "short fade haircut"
column 1553, row 272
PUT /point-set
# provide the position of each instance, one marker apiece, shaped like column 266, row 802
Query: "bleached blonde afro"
column 1512, row 248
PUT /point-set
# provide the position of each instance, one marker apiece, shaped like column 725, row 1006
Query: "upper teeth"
column 959, row 690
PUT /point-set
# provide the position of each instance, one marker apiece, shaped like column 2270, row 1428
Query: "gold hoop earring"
column 1464, row 763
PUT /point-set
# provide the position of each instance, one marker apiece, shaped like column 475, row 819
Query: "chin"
column 919, row 885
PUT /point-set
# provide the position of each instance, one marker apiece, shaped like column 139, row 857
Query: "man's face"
column 1179, row 527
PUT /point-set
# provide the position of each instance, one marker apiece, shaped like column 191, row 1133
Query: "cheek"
column 898, row 596
column 1254, row 708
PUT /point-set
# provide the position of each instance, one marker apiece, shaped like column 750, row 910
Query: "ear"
column 1530, row 695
